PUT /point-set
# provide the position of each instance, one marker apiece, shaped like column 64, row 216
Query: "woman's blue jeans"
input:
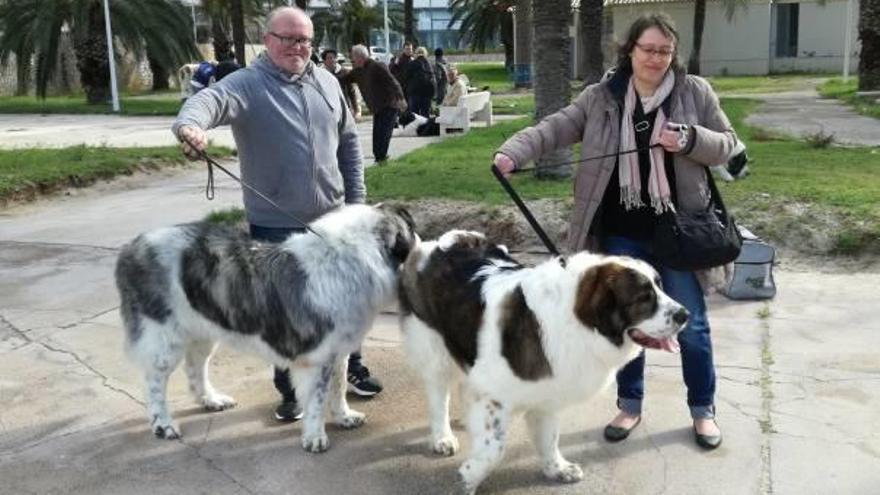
column 697, row 365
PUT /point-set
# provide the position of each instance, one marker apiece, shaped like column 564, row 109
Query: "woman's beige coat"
column 594, row 120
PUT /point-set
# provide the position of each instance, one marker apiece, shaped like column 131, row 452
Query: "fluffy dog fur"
column 305, row 304
column 530, row 340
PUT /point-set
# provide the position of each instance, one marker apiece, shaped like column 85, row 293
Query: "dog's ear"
column 400, row 236
column 596, row 304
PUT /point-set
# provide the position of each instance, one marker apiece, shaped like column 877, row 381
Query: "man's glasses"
column 664, row 52
column 292, row 41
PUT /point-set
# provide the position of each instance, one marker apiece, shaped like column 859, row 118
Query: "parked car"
column 380, row 54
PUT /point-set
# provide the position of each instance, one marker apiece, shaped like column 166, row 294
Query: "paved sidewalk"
column 803, row 112
column 55, row 131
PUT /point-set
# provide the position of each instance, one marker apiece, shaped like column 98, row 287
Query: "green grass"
column 784, row 171
column 514, row 104
column 76, row 104
column 846, row 91
column 31, row 171
column 492, row 74
column 760, row 84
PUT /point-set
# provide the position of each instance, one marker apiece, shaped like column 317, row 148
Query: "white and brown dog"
column 523, row 339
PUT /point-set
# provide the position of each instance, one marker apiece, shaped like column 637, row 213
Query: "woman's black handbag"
column 690, row 241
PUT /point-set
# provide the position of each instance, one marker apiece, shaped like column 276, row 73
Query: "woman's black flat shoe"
column 708, row 442
column 617, row 434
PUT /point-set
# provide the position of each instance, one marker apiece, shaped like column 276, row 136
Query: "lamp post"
column 109, row 30
column 387, row 36
column 847, row 33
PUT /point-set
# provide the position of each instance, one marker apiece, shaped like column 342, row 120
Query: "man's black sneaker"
column 361, row 383
column 288, row 411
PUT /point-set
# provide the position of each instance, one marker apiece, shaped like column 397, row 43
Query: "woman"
column 420, row 83
column 457, row 87
column 617, row 199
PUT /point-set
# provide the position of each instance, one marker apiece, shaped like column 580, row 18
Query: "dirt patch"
column 806, row 237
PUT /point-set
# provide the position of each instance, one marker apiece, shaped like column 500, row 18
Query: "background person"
column 382, row 94
column 457, row 87
column 420, row 83
column 297, row 143
column 399, row 65
column 617, row 201
column 440, row 77
column 328, row 58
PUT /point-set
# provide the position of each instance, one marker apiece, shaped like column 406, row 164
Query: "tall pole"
column 113, row 92
column 192, row 7
column 387, row 36
column 847, row 32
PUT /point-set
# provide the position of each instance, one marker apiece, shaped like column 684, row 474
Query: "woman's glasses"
column 663, row 52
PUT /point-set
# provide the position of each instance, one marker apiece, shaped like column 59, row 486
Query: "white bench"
column 470, row 106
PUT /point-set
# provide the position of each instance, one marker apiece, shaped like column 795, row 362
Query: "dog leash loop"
column 209, row 188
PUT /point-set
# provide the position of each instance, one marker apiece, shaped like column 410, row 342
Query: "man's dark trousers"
column 383, row 126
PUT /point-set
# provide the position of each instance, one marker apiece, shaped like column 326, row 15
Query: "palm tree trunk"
column 408, row 21
column 507, row 40
column 699, row 22
column 23, row 74
column 222, row 46
column 160, row 74
column 591, row 40
column 302, row 4
column 552, row 68
column 522, row 58
column 869, row 33
column 236, row 13
column 90, row 45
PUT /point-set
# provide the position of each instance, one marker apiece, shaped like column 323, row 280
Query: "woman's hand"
column 505, row 164
column 674, row 137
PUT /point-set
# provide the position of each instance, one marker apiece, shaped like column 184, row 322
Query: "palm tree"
column 522, row 57
column 590, row 16
column 552, row 88
column 409, row 34
column 482, row 21
column 869, row 34
column 236, row 15
column 351, row 22
column 700, row 21
column 33, row 28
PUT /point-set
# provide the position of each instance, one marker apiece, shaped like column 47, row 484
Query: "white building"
column 762, row 37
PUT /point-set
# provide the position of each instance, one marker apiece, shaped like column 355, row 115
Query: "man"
column 383, row 96
column 328, row 58
column 399, row 65
column 440, row 67
column 457, row 87
column 297, row 143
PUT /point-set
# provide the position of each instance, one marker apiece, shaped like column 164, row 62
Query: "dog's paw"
column 218, row 402
column 446, row 446
column 316, row 444
column 466, row 485
column 352, row 419
column 565, row 472
column 167, row 431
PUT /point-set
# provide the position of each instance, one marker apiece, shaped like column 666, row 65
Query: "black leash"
column 575, row 162
column 528, row 214
column 209, row 187
column 525, row 210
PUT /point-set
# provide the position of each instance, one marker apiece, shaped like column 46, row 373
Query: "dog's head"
column 621, row 298
column 397, row 232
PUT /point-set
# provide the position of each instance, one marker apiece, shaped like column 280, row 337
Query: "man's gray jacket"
column 296, row 139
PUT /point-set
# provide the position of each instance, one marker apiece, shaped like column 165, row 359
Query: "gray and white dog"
column 304, row 304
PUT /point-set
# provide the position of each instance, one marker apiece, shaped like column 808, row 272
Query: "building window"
column 787, row 29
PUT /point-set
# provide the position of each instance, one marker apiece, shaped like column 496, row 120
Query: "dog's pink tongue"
column 670, row 344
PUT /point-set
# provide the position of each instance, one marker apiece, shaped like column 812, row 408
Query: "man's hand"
column 198, row 138
column 505, row 164
column 674, row 137
column 357, row 116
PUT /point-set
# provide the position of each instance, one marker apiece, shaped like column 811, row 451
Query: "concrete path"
column 55, row 131
column 803, row 112
column 798, row 387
